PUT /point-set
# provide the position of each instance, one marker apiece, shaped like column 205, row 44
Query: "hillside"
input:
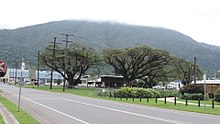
column 24, row 42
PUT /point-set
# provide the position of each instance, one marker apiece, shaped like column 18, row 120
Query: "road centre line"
column 127, row 112
column 77, row 119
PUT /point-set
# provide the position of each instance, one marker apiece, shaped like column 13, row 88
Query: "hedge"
column 169, row 93
column 136, row 92
column 192, row 96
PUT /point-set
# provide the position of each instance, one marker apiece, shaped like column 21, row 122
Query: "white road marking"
column 77, row 119
column 46, row 98
column 201, row 115
column 127, row 112
column 135, row 106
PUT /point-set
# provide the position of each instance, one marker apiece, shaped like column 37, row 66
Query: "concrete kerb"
column 7, row 116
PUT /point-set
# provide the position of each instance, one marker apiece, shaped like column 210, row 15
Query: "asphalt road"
column 60, row 108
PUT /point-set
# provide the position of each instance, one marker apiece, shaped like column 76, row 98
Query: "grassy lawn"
column 1, row 120
column 21, row 116
column 92, row 92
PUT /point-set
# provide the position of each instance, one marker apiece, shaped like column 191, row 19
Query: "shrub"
column 192, row 88
column 192, row 92
column 192, row 96
column 136, row 92
column 169, row 93
column 217, row 95
column 104, row 94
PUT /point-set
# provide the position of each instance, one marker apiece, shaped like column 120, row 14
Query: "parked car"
column 159, row 87
column 11, row 83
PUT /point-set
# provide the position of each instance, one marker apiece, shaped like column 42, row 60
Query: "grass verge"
column 92, row 92
column 1, row 120
column 21, row 116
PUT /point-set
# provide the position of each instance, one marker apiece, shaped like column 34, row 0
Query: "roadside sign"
column 2, row 66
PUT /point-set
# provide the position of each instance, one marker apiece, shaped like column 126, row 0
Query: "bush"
column 192, row 96
column 136, row 92
column 192, row 88
column 169, row 93
column 104, row 94
column 217, row 95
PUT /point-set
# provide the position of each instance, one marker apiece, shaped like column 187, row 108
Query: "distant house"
column 95, row 82
column 113, row 81
column 25, row 75
column 211, row 86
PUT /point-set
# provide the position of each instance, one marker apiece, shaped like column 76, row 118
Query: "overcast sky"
column 199, row 19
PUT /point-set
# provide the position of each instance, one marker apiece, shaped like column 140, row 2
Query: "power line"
column 210, row 12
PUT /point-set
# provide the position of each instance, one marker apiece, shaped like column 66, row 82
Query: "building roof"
column 112, row 76
column 211, row 82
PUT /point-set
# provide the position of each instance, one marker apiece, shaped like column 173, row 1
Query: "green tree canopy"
column 79, row 59
column 183, row 70
column 136, row 63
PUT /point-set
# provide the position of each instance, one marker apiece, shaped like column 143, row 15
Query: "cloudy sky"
column 199, row 19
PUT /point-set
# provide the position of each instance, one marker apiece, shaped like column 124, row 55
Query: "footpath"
column 171, row 99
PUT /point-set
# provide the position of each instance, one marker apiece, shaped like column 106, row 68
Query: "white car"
column 47, row 84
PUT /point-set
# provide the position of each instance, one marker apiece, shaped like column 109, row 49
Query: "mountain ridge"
column 99, row 35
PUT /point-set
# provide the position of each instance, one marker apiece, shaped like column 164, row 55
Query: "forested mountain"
column 24, row 42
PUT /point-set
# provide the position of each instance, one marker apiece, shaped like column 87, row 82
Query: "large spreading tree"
column 77, row 61
column 137, row 63
column 150, row 65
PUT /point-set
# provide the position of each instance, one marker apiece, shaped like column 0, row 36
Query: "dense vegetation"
column 77, row 60
column 149, row 65
column 24, row 42
column 138, row 63
column 143, row 93
column 192, row 91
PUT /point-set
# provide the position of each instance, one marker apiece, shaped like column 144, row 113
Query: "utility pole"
column 54, row 48
column 189, row 74
column 38, row 68
column 65, row 58
column 194, row 64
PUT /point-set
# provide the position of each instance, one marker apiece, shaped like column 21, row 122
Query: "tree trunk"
column 72, row 82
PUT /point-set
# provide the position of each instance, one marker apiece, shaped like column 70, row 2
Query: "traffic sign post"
column 20, row 83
